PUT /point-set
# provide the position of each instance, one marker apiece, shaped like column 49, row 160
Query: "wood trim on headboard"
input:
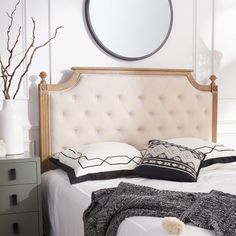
column 44, row 88
column 43, row 123
column 214, row 90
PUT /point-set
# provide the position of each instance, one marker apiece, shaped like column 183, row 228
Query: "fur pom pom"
column 173, row 225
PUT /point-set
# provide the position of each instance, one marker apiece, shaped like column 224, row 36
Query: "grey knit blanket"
column 109, row 207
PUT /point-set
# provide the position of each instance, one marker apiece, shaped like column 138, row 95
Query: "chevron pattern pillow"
column 169, row 161
column 105, row 160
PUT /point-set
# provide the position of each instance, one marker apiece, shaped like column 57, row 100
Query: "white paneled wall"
column 81, row 50
column 225, row 48
column 201, row 39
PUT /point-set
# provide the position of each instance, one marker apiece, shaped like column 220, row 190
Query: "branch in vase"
column 23, row 58
column 12, row 50
column 10, row 26
column 7, row 73
column 31, row 58
column 3, row 76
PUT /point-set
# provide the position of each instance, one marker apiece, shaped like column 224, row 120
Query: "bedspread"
column 215, row 210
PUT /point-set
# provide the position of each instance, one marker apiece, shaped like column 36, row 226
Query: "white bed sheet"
column 64, row 203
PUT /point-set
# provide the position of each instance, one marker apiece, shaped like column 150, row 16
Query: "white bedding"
column 64, row 203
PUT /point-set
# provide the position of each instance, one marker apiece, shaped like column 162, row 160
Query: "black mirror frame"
column 108, row 51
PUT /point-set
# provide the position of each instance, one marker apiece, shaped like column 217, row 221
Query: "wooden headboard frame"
column 45, row 88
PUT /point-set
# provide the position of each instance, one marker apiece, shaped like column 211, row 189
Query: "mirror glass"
column 129, row 29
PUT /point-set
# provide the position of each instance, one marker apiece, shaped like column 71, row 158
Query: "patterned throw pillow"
column 105, row 160
column 217, row 155
column 169, row 161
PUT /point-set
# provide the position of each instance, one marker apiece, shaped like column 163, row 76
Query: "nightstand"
column 20, row 197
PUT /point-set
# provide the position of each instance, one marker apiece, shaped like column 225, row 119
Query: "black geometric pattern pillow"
column 217, row 155
column 164, row 160
column 97, row 161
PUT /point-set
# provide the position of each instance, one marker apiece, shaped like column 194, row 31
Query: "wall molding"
column 227, row 134
column 213, row 39
column 30, row 146
column 31, row 137
column 24, row 84
column 50, row 25
column 194, row 52
column 226, row 122
column 31, row 127
column 24, row 32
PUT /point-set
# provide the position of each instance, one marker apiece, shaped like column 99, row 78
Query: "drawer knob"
column 15, row 228
column 12, row 174
column 14, row 200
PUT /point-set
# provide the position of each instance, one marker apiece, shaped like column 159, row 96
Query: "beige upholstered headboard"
column 125, row 105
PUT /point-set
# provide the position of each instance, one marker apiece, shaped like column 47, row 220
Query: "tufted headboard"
column 126, row 105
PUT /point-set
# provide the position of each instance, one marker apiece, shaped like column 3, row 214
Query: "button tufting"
column 179, row 127
column 160, row 128
column 120, row 97
column 140, row 129
column 76, row 130
column 75, row 97
column 159, row 112
column 98, row 96
column 109, row 113
column 87, row 113
column 189, row 112
column 98, row 130
column 120, row 129
column 64, row 113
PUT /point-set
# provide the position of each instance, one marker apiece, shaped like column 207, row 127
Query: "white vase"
column 3, row 148
column 11, row 127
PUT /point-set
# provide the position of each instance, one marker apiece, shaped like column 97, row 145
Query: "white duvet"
column 64, row 203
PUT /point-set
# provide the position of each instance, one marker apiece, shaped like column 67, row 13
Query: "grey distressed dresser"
column 20, row 197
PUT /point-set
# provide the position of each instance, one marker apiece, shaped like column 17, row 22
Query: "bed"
column 130, row 106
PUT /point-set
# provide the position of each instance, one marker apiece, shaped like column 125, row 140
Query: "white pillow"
column 217, row 155
column 97, row 161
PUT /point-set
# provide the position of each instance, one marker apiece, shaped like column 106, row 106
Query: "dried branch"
column 12, row 49
column 4, row 69
column 5, row 79
column 2, row 66
column 31, row 58
column 24, row 56
column 50, row 39
column 10, row 26
column 30, row 51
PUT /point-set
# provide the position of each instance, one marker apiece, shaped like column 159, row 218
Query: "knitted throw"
column 214, row 211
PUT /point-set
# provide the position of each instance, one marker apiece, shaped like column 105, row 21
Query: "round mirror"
column 129, row 29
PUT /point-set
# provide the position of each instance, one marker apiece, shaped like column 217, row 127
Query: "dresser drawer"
column 13, row 173
column 18, row 198
column 19, row 224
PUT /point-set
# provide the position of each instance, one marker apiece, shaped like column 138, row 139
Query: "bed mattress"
column 64, row 203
